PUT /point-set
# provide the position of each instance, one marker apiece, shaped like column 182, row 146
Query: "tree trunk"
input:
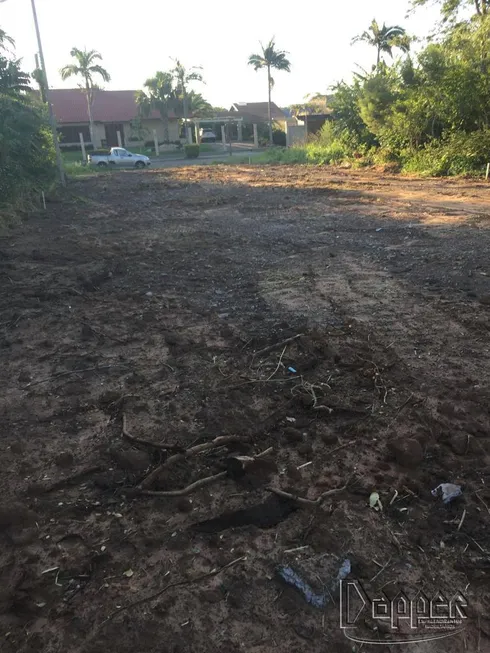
column 378, row 58
column 90, row 117
column 271, row 142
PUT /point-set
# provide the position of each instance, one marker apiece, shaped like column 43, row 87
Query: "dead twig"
column 180, row 583
column 193, row 451
column 380, row 571
column 278, row 364
column 69, row 372
column 74, row 478
column 309, row 388
column 462, row 520
column 399, row 410
column 341, row 446
column 278, row 345
column 146, row 443
column 240, row 385
column 303, row 500
column 208, row 480
column 185, row 490
column 482, row 501
column 98, row 332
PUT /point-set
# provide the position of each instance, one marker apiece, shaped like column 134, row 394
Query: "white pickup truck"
column 119, row 157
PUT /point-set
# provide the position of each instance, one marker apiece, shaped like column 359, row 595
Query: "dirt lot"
column 165, row 306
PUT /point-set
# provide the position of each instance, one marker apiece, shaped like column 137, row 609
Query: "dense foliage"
column 26, row 146
column 428, row 112
column 168, row 94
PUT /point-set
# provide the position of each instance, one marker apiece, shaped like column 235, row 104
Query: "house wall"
column 149, row 125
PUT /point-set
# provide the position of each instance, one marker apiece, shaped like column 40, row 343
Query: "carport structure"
column 225, row 122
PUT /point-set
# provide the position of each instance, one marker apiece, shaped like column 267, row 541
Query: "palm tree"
column 160, row 95
column 384, row 39
column 86, row 68
column 183, row 77
column 199, row 106
column 270, row 58
column 4, row 39
column 13, row 81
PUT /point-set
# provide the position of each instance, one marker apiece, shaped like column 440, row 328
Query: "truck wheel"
column 139, row 165
column 102, row 164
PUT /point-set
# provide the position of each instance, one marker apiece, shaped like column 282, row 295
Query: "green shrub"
column 454, row 154
column 191, row 151
column 79, row 169
column 27, row 160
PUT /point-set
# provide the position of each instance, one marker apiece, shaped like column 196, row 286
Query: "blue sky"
column 137, row 39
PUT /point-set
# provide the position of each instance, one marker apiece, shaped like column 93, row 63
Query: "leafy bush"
column 27, row 157
column 454, row 154
column 191, row 151
column 27, row 160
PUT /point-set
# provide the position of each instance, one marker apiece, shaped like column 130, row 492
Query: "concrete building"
column 113, row 112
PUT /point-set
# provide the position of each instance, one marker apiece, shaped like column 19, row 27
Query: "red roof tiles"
column 70, row 106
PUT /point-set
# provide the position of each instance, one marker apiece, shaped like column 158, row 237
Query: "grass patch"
column 79, row 169
column 312, row 153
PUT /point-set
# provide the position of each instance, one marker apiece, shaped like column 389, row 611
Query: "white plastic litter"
column 449, row 491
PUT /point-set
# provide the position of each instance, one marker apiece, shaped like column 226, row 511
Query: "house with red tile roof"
column 113, row 112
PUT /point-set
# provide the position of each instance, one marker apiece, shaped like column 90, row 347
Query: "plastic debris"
column 374, row 501
column 379, row 229
column 128, row 573
column 316, row 599
column 291, row 369
column 448, row 491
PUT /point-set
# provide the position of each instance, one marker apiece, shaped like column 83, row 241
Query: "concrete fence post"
column 256, row 137
column 239, row 127
column 82, row 145
column 198, row 135
column 119, row 139
column 288, row 135
column 223, row 136
column 189, row 135
column 155, row 141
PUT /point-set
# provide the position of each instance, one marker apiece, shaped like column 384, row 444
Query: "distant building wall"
column 295, row 135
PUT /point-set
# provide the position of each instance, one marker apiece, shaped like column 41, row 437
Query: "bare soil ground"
column 144, row 305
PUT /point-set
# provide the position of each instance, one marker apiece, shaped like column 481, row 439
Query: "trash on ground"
column 448, row 491
column 316, row 599
column 291, row 369
column 379, row 229
column 374, row 501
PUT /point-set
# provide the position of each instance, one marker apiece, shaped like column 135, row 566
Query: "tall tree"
column 4, row 39
column 183, row 77
column 159, row 95
column 270, row 59
column 451, row 8
column 13, row 81
column 198, row 105
column 86, row 68
column 384, row 39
